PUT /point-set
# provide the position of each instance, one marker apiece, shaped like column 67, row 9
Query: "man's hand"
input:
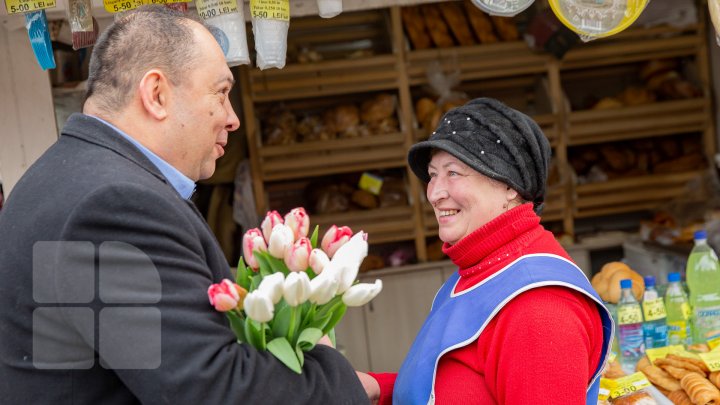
column 325, row 340
column 372, row 388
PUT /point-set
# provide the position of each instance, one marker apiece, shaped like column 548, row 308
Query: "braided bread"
column 700, row 390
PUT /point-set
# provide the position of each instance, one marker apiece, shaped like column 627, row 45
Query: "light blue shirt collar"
column 181, row 183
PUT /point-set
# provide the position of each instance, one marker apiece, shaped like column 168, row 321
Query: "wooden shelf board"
column 313, row 148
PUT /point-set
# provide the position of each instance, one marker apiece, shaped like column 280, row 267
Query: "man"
column 106, row 263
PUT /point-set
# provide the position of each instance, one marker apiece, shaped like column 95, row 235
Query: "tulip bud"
column 296, row 289
column 272, row 218
column 318, row 260
column 226, row 296
column 272, row 285
column 361, row 294
column 346, row 262
column 334, row 238
column 297, row 257
column 259, row 307
column 281, row 239
column 323, row 288
column 299, row 221
column 253, row 241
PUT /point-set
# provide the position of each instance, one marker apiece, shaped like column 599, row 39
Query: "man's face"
column 201, row 112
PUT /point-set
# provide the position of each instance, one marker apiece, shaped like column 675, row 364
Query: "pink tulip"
column 334, row 238
column 272, row 218
column 253, row 241
column 318, row 260
column 297, row 219
column 226, row 296
column 298, row 256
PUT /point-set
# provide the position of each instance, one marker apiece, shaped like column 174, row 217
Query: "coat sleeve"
column 199, row 359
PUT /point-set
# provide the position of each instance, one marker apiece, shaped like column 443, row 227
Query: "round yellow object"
column 597, row 18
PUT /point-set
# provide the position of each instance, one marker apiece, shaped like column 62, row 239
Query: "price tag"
column 629, row 384
column 712, row 360
column 117, row 6
column 270, row 9
column 713, row 343
column 370, row 183
column 24, row 6
column 629, row 315
column 164, row 1
column 213, row 8
column 606, row 385
column 660, row 352
column 654, row 309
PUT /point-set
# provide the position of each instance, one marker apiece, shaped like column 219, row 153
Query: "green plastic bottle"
column 703, row 278
column 678, row 312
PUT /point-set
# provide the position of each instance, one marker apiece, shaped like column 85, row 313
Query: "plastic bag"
column 270, row 23
column 228, row 22
column 83, row 26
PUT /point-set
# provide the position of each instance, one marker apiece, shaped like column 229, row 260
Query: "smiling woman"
column 486, row 166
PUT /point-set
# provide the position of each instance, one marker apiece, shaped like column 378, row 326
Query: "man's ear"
column 154, row 91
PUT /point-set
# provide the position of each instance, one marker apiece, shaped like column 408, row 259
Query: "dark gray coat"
column 94, row 186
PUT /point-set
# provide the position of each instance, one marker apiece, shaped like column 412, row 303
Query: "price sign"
column 270, row 9
column 213, row 8
column 713, row 343
column 117, row 6
column 660, row 352
column 606, row 385
column 654, row 309
column 24, row 6
column 712, row 360
column 370, row 183
column 629, row 384
column 164, row 1
column 629, row 315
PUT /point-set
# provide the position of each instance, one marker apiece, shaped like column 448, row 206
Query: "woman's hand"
column 372, row 388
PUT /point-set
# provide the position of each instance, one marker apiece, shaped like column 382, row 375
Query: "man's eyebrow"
column 228, row 79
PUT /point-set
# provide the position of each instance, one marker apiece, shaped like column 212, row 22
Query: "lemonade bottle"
column 703, row 278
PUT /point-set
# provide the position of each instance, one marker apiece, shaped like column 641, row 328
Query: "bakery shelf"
column 429, row 221
column 632, row 122
column 630, row 194
column 555, row 205
column 333, row 156
column 503, row 59
column 385, row 224
column 635, row 45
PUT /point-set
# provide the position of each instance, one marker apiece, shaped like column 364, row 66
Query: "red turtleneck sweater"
column 541, row 348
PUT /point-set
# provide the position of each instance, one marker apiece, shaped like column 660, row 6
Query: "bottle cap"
column 627, row 283
column 649, row 281
column 673, row 277
column 701, row 234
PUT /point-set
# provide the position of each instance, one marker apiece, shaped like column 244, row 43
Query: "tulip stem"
column 310, row 316
column 291, row 329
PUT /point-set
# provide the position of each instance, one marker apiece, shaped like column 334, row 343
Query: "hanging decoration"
column 504, row 8
column 714, row 6
column 228, row 22
column 270, row 23
column 592, row 19
column 329, row 8
column 36, row 24
column 83, row 26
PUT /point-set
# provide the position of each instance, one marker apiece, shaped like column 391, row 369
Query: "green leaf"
column 237, row 326
column 314, row 237
column 335, row 318
column 255, row 334
column 255, row 282
column 277, row 265
column 242, row 275
column 300, row 355
column 308, row 338
column 262, row 259
column 281, row 322
column 330, row 305
column 331, row 336
column 311, row 274
column 320, row 322
column 281, row 349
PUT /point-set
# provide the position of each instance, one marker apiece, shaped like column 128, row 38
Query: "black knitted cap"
column 494, row 139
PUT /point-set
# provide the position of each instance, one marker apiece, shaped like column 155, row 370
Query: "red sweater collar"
column 497, row 242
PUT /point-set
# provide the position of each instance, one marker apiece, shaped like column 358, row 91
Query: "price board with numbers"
column 214, row 8
column 712, row 360
column 629, row 384
column 117, row 6
column 629, row 314
column 25, row 6
column 660, row 352
column 270, row 9
column 654, row 309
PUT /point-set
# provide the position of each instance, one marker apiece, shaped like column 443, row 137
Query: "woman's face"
column 462, row 198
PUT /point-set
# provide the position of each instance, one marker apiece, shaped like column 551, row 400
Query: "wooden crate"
column 383, row 225
column 631, row 194
column 631, row 122
column 430, row 223
column 555, row 205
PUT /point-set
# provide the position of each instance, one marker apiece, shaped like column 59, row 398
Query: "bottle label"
column 677, row 332
column 629, row 314
column 654, row 309
column 707, row 322
column 631, row 341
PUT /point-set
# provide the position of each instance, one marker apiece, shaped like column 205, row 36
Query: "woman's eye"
column 451, row 173
column 432, row 175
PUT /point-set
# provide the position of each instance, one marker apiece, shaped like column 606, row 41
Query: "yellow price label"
column 213, row 8
column 629, row 315
column 713, row 343
column 629, row 384
column 118, row 6
column 606, row 385
column 711, row 359
column 370, row 183
column 270, row 9
column 654, row 309
column 164, row 1
column 25, row 6
column 660, row 352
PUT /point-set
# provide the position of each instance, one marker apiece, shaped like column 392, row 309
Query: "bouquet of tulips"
column 289, row 292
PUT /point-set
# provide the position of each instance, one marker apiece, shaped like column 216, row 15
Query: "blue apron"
column 457, row 320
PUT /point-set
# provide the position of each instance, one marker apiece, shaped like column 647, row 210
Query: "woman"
column 518, row 323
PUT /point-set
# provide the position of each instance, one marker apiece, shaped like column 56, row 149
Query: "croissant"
column 714, row 378
column 679, row 397
column 698, row 363
column 680, row 362
column 700, row 390
column 661, row 379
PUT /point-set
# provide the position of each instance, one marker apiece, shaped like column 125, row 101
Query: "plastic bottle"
column 678, row 312
column 703, row 278
column 655, row 329
column 630, row 327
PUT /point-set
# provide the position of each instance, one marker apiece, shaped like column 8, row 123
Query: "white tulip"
column 272, row 285
column 318, row 260
column 258, row 306
column 281, row 239
column 296, row 288
column 346, row 261
column 323, row 288
column 361, row 294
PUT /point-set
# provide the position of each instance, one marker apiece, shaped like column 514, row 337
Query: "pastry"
column 660, row 378
column 364, row 199
column 378, row 108
column 679, row 397
column 714, row 378
column 657, row 66
column 636, row 96
column 638, row 398
column 436, row 26
column 676, row 372
column 455, row 17
column 424, row 109
column 696, row 362
column 680, row 364
column 480, row 23
column 415, row 27
column 505, row 28
column 700, row 390
column 607, row 103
